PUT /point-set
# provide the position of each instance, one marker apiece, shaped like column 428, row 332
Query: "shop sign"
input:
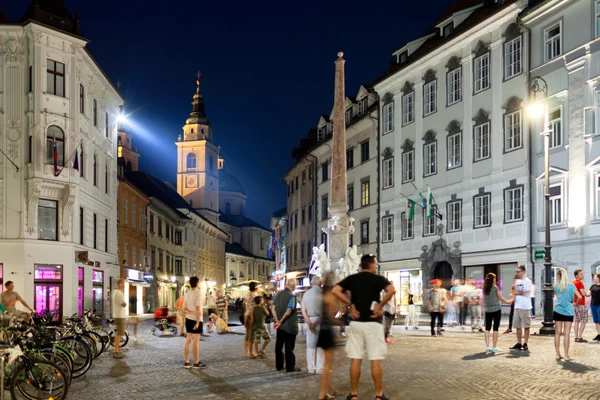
column 135, row 275
column 148, row 277
column 540, row 254
column 81, row 256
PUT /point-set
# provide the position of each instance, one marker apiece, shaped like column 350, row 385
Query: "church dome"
column 229, row 183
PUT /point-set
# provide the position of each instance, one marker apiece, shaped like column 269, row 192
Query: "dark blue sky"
column 267, row 71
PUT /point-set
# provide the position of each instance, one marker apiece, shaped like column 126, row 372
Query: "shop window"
column 98, row 291
column 48, row 219
column 80, row 285
column 48, row 290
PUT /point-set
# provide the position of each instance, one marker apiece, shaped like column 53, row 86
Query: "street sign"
column 540, row 254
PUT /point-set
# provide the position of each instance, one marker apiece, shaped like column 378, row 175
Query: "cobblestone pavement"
column 418, row 367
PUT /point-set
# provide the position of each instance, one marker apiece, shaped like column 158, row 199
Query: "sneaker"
column 200, row 365
column 506, row 332
column 525, row 347
column 261, row 354
column 517, row 347
column 187, row 365
column 597, row 337
column 488, row 350
column 496, row 350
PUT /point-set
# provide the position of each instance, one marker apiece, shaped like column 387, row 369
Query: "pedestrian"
column 491, row 300
column 222, row 302
column 457, row 299
column 475, row 301
column 192, row 306
column 181, row 316
column 259, row 327
column 435, row 305
column 119, row 307
column 326, row 341
column 594, row 292
column 389, row 315
column 412, row 316
column 512, row 308
column 9, row 300
column 211, row 303
column 564, row 311
column 366, row 329
column 248, row 320
column 312, row 311
column 522, row 317
column 286, row 325
column 581, row 312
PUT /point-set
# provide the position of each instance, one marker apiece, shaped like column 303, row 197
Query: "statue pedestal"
column 339, row 228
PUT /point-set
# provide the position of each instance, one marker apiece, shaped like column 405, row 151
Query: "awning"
column 138, row 283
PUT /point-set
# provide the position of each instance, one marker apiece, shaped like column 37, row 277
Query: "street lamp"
column 538, row 85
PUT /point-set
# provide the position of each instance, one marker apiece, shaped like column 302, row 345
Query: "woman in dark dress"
column 326, row 339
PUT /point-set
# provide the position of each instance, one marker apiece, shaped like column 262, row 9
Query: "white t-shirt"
column 118, row 298
column 523, row 301
column 192, row 299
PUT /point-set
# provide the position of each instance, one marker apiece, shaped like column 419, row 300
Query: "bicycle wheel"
column 98, row 340
column 58, row 360
column 91, row 344
column 124, row 338
column 103, row 333
column 82, row 355
column 63, row 353
column 38, row 379
column 173, row 330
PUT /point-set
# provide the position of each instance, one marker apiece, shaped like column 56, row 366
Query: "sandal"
column 352, row 396
column 327, row 397
column 382, row 397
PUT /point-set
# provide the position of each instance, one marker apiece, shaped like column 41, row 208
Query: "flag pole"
column 76, row 147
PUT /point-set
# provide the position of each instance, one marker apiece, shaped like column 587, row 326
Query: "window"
column 125, row 210
column 403, row 57
column 178, row 267
column 324, row 207
column 407, row 227
column 160, row 230
column 364, row 152
column 47, row 219
column 95, row 231
column 324, row 239
column 106, row 178
column 81, row 99
column 310, row 213
column 512, row 58
column 325, row 171
column 55, row 137
column 350, row 197
column 310, row 173
column 95, row 113
column 133, row 214
column 482, row 141
column 349, row 158
column 296, row 220
column 364, row 194
column 388, row 173
column 428, row 224
column 597, row 17
column 388, row 118
column 482, row 73
column 555, row 122
column 454, row 216
column 95, row 170
column 302, row 251
column 552, row 42
column 152, row 222
column 106, row 124
column 513, row 204
column 297, row 186
column 408, row 108
column 178, row 238
column 430, row 160
column 448, row 29
column 133, row 256
column 361, row 107
column 349, row 115
column 321, row 133
column 304, row 177
column 191, row 160
column 387, row 223
column 106, row 236
column 430, row 98
column 481, row 210
column 453, row 79
column 55, row 78
column 81, row 225
column 512, row 131
column 597, row 180
column 303, row 216
column 556, row 204
column 454, row 150
column 364, row 232
column 408, row 166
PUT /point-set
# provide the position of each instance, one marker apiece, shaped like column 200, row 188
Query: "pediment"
column 554, row 172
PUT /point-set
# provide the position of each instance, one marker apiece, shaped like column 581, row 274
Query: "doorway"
column 443, row 272
column 47, row 300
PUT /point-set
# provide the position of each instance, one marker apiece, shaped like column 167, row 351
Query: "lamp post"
column 538, row 85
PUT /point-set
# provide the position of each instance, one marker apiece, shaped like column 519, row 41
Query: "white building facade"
column 58, row 225
column 452, row 123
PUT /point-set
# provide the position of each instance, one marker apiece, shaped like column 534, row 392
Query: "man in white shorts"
column 366, row 334
column 522, row 316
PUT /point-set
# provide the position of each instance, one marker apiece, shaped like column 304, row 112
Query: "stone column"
column 339, row 227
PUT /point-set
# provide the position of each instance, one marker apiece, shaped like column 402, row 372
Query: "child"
column 260, row 329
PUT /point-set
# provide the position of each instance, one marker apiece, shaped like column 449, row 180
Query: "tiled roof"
column 240, row 221
column 236, row 248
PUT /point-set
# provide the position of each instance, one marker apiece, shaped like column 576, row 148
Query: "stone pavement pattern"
column 418, row 367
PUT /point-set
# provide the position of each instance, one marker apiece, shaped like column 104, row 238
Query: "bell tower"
column 197, row 161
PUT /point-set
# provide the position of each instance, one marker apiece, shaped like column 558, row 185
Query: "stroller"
column 163, row 321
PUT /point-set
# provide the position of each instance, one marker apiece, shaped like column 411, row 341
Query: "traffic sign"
column 540, row 254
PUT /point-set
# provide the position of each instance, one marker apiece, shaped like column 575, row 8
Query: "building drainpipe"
column 377, row 223
column 314, row 205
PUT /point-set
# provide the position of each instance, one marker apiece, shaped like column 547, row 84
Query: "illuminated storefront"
column 407, row 278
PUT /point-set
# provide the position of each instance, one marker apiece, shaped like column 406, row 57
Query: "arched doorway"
column 443, row 271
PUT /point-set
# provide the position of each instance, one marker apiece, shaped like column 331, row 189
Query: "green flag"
column 430, row 205
column 411, row 209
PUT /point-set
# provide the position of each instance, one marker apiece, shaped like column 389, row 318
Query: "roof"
column 52, row 13
column 488, row 8
column 280, row 213
column 236, row 248
column 241, row 221
column 229, row 183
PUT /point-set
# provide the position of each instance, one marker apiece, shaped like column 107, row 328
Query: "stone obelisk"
column 339, row 227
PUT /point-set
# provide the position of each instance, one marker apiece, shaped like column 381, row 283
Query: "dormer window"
column 321, row 133
column 448, row 28
column 402, row 57
column 349, row 115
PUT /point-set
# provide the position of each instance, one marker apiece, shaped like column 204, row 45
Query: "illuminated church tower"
column 197, row 162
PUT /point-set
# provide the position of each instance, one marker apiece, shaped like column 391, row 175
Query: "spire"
column 198, row 114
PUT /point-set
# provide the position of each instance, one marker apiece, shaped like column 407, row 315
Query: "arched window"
column 95, row 170
column 55, row 136
column 192, row 130
column 191, row 161
column 106, row 178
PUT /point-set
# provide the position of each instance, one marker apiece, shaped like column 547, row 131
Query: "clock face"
column 191, row 181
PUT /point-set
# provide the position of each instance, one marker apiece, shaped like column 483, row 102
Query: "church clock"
column 191, row 181
column 211, row 184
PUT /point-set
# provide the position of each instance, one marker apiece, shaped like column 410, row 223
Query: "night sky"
column 267, row 71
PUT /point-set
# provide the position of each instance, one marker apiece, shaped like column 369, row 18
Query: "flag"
column 55, row 158
column 424, row 200
column 430, row 197
column 411, row 209
column 76, row 161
